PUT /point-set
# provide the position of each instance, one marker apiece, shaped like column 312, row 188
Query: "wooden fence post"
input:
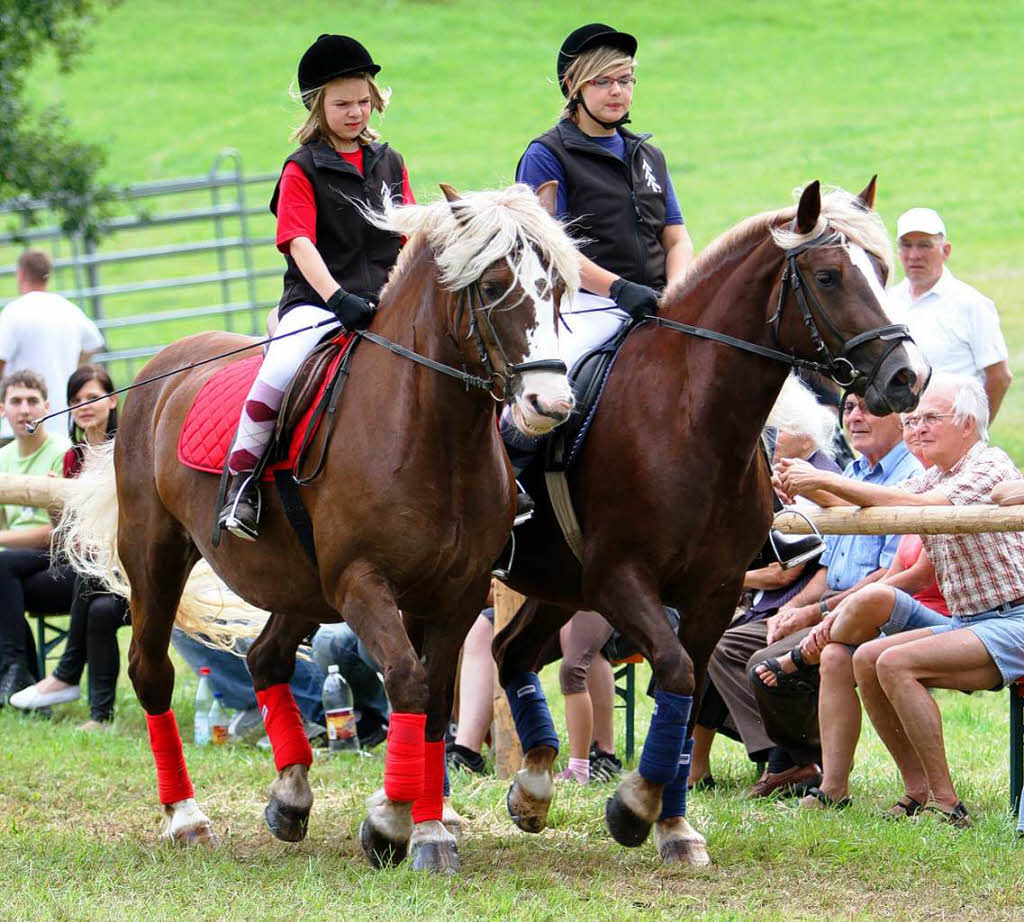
column 508, row 756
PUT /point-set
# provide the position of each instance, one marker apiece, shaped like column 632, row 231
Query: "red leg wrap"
column 430, row 804
column 403, row 764
column 172, row 780
column 283, row 721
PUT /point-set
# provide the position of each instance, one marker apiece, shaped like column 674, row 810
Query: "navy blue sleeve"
column 537, row 167
column 673, row 213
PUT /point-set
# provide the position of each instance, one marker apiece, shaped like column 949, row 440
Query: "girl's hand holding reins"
column 353, row 313
column 636, row 300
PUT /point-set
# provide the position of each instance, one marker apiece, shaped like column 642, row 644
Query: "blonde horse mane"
column 470, row 233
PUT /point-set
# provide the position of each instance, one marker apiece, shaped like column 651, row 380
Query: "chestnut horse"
column 673, row 495
column 414, row 505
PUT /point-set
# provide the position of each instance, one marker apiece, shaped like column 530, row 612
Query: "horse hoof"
column 380, row 851
column 442, row 857
column 285, row 822
column 625, row 826
column 526, row 812
column 200, row 834
column 687, row 852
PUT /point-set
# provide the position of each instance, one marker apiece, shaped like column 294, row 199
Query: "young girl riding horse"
column 337, row 261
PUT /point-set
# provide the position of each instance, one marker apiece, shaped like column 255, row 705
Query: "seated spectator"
column 981, row 577
column 229, row 675
column 765, row 590
column 858, row 618
column 337, row 644
column 779, row 725
column 95, row 616
column 27, row 582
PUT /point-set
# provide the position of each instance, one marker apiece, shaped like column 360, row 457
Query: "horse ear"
column 867, row 197
column 449, row 192
column 547, row 192
column 809, row 209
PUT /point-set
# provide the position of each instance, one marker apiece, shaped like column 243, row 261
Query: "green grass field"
column 748, row 100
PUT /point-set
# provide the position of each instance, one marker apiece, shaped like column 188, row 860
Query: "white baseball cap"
column 922, row 220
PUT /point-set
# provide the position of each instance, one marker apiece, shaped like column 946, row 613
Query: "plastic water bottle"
column 204, row 701
column 339, row 713
column 219, row 720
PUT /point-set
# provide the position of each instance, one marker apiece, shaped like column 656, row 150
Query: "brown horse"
column 415, row 503
column 671, row 491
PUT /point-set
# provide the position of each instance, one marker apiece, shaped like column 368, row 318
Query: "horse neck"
column 733, row 297
column 416, row 313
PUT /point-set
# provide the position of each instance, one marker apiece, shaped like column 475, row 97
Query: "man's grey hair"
column 969, row 400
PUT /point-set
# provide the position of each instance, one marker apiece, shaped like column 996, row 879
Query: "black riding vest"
column 358, row 255
column 617, row 206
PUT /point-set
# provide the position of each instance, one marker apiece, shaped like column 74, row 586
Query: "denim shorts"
column 908, row 615
column 1001, row 631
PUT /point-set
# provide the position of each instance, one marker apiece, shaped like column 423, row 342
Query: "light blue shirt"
column 849, row 558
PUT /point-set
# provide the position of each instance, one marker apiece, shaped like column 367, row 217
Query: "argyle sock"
column 255, row 426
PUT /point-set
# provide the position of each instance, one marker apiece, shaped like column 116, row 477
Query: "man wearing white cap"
column 955, row 326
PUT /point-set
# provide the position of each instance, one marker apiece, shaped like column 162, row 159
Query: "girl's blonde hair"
column 315, row 126
column 588, row 66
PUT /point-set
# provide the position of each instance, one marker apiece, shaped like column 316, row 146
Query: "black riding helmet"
column 591, row 36
column 329, row 57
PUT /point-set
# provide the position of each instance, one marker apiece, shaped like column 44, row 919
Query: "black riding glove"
column 353, row 312
column 636, row 300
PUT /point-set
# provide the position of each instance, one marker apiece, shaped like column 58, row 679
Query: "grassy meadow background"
column 747, row 100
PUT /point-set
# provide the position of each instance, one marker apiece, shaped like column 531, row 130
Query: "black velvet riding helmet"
column 329, row 57
column 591, row 36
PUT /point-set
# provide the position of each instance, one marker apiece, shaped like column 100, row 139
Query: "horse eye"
column 492, row 290
column 825, row 277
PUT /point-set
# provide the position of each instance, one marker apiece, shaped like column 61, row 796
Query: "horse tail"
column 86, row 537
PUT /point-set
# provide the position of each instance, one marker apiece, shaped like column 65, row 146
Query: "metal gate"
column 177, row 257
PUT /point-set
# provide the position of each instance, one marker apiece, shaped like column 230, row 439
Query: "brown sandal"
column 905, row 807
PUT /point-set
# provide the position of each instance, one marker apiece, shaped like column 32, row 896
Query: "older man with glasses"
column 980, row 575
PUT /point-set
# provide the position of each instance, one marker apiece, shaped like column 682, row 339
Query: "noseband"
column 837, row 367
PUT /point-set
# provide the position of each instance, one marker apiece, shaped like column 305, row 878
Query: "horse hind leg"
column 271, row 661
column 517, row 648
column 157, row 563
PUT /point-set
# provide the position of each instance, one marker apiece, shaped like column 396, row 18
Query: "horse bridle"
column 837, row 367
column 472, row 297
column 497, row 381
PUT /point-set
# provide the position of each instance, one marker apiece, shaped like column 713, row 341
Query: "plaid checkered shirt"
column 975, row 572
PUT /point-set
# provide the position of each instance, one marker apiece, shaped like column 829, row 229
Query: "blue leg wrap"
column 673, row 798
column 659, row 761
column 530, row 712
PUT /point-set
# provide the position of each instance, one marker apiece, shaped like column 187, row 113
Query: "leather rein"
column 839, row 368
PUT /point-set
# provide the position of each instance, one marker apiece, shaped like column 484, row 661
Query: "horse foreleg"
column 634, row 607
column 365, row 601
column 699, row 631
column 517, row 649
column 271, row 661
column 157, row 564
column 433, row 847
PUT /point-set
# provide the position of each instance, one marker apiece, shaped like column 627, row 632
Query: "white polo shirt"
column 955, row 326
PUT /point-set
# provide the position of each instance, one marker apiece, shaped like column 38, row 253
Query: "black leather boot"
column 793, row 550
column 240, row 514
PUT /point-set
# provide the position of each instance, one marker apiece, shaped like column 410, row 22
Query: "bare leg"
column 838, row 719
column 601, row 684
column 476, row 686
column 880, row 710
column 700, row 760
column 957, row 659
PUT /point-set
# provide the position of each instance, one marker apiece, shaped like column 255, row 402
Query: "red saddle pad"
column 210, row 426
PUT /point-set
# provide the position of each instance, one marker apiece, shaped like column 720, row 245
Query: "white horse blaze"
column 547, row 390
column 918, row 363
